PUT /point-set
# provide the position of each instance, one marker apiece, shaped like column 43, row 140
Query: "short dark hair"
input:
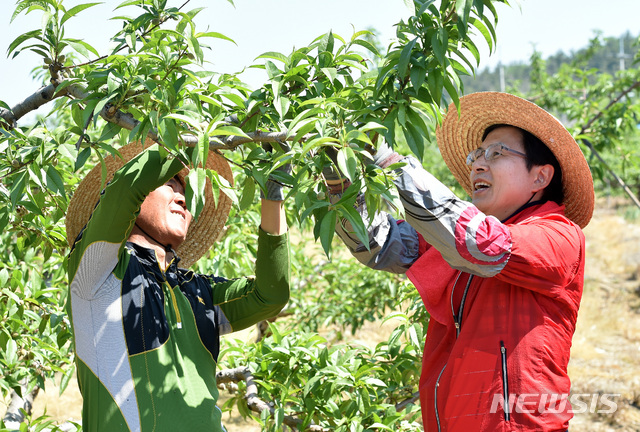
column 538, row 154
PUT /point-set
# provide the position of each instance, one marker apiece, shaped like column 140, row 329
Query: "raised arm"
column 467, row 239
column 246, row 301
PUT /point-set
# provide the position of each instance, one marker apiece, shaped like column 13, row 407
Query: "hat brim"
column 460, row 134
column 202, row 234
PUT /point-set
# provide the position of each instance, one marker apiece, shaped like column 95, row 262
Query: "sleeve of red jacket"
column 546, row 254
column 468, row 239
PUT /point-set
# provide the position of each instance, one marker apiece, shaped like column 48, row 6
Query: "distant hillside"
column 605, row 56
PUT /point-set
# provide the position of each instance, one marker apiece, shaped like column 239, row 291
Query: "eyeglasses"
column 491, row 153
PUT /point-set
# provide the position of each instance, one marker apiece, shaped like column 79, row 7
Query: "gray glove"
column 385, row 156
column 274, row 187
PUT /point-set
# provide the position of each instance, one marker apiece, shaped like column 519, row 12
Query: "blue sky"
column 258, row 26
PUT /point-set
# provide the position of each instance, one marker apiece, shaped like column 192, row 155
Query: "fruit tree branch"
column 254, row 403
column 125, row 120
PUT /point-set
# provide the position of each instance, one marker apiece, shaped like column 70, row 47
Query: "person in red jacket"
column 501, row 276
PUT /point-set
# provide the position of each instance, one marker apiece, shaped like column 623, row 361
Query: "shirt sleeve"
column 393, row 244
column 466, row 238
column 97, row 250
column 248, row 300
column 546, row 255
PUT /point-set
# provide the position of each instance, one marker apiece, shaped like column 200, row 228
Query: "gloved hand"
column 274, row 188
column 385, row 155
column 335, row 181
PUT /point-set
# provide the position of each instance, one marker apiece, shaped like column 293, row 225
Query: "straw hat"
column 202, row 233
column 459, row 135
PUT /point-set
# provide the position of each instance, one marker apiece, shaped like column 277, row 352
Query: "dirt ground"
column 605, row 357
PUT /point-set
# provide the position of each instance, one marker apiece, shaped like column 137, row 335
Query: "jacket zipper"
column 505, row 382
column 174, row 302
column 435, row 397
column 457, row 320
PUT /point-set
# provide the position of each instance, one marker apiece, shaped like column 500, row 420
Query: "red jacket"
column 516, row 328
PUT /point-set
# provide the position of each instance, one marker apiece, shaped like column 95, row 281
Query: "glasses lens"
column 492, row 152
column 473, row 156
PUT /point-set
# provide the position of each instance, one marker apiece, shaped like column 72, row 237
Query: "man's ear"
column 544, row 174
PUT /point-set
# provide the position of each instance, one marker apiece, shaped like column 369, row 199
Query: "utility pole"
column 621, row 54
column 501, row 70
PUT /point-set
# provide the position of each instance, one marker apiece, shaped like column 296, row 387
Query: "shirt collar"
column 532, row 208
column 147, row 256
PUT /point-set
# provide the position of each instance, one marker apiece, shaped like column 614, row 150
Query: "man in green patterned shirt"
column 147, row 329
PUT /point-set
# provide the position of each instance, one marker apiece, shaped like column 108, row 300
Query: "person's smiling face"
column 504, row 184
column 164, row 214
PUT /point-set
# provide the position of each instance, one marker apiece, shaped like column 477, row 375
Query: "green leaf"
column 486, row 33
column 54, row 181
column 463, row 8
column 272, row 70
column 66, row 377
column 304, row 114
column 10, row 353
column 82, row 47
column 109, row 131
column 435, row 83
column 418, row 74
column 326, row 43
column 113, row 82
column 129, row 3
column 33, row 34
column 331, row 73
column 75, row 10
column 368, row 45
column 4, row 221
column 415, row 140
column 196, row 181
column 438, row 44
column 186, row 119
column 31, row 5
column 215, row 35
column 195, row 48
column 275, row 56
column 282, row 106
column 248, row 193
column 17, row 190
column 347, row 162
column 233, row 97
column 229, row 131
column 82, row 158
column 327, row 229
column 405, row 58
column 411, row 6
column 452, row 91
column 312, row 208
column 4, row 277
column 352, row 215
column 208, row 99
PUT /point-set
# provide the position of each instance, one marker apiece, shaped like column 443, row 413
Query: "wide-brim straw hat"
column 460, row 134
column 201, row 234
